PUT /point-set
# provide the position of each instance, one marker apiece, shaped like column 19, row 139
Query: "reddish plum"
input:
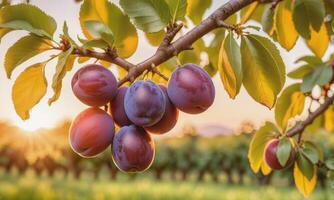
column 270, row 156
column 117, row 108
column 91, row 132
column 94, row 85
column 191, row 89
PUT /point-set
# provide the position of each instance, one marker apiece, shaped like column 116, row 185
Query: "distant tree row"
column 192, row 157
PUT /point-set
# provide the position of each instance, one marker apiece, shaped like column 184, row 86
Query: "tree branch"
column 300, row 127
column 185, row 42
column 169, row 49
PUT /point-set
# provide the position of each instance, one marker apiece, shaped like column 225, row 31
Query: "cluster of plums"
column 138, row 110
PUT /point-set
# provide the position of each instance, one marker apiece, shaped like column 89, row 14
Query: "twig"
column 300, row 127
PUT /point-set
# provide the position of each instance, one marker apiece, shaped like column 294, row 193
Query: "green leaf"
column 210, row 69
column 67, row 35
column 284, row 28
column 24, row 17
column 312, row 60
column 330, row 164
column 23, row 25
column 330, row 176
column 148, row 15
column 98, row 43
column 267, row 20
column 100, row 31
column 65, row 63
column 28, row 89
column 307, row 13
column 24, row 49
column 263, row 69
column 289, row 104
column 321, row 75
column 124, row 32
column 196, row 9
column 311, row 152
column 214, row 46
column 301, row 72
column 229, row 65
column 156, row 38
column 284, row 151
column 306, row 166
column 188, row 57
column 258, row 143
column 178, row 9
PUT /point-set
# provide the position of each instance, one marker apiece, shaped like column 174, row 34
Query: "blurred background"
column 204, row 157
column 188, row 165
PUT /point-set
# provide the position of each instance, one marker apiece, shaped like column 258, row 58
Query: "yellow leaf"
column 329, row 119
column 319, row 42
column 304, row 186
column 83, row 59
column 285, row 30
column 257, row 145
column 126, row 38
column 265, row 169
column 248, row 12
column 229, row 65
column 28, row 89
column 23, row 50
column 263, row 69
column 289, row 104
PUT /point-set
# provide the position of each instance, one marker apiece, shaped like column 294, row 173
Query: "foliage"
column 246, row 57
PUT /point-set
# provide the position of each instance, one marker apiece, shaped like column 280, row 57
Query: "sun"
column 35, row 123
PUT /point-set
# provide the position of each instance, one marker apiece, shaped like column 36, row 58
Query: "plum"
column 169, row 118
column 270, row 156
column 191, row 89
column 91, row 132
column 144, row 103
column 133, row 149
column 117, row 108
column 94, row 85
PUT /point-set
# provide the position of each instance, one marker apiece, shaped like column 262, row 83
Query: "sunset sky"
column 224, row 110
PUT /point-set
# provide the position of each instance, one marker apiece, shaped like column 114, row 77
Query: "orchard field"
column 14, row 187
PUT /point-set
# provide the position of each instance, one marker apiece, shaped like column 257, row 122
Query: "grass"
column 30, row 187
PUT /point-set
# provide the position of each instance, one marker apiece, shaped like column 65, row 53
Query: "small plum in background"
column 144, row 103
column 270, row 156
column 94, row 85
column 133, row 149
column 117, row 108
column 169, row 118
column 91, row 132
column 191, row 89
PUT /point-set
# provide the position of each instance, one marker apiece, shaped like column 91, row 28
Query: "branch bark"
column 300, row 127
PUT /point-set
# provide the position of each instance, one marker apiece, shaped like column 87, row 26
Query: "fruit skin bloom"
column 144, row 103
column 191, row 89
column 133, row 149
column 94, row 85
column 91, row 132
